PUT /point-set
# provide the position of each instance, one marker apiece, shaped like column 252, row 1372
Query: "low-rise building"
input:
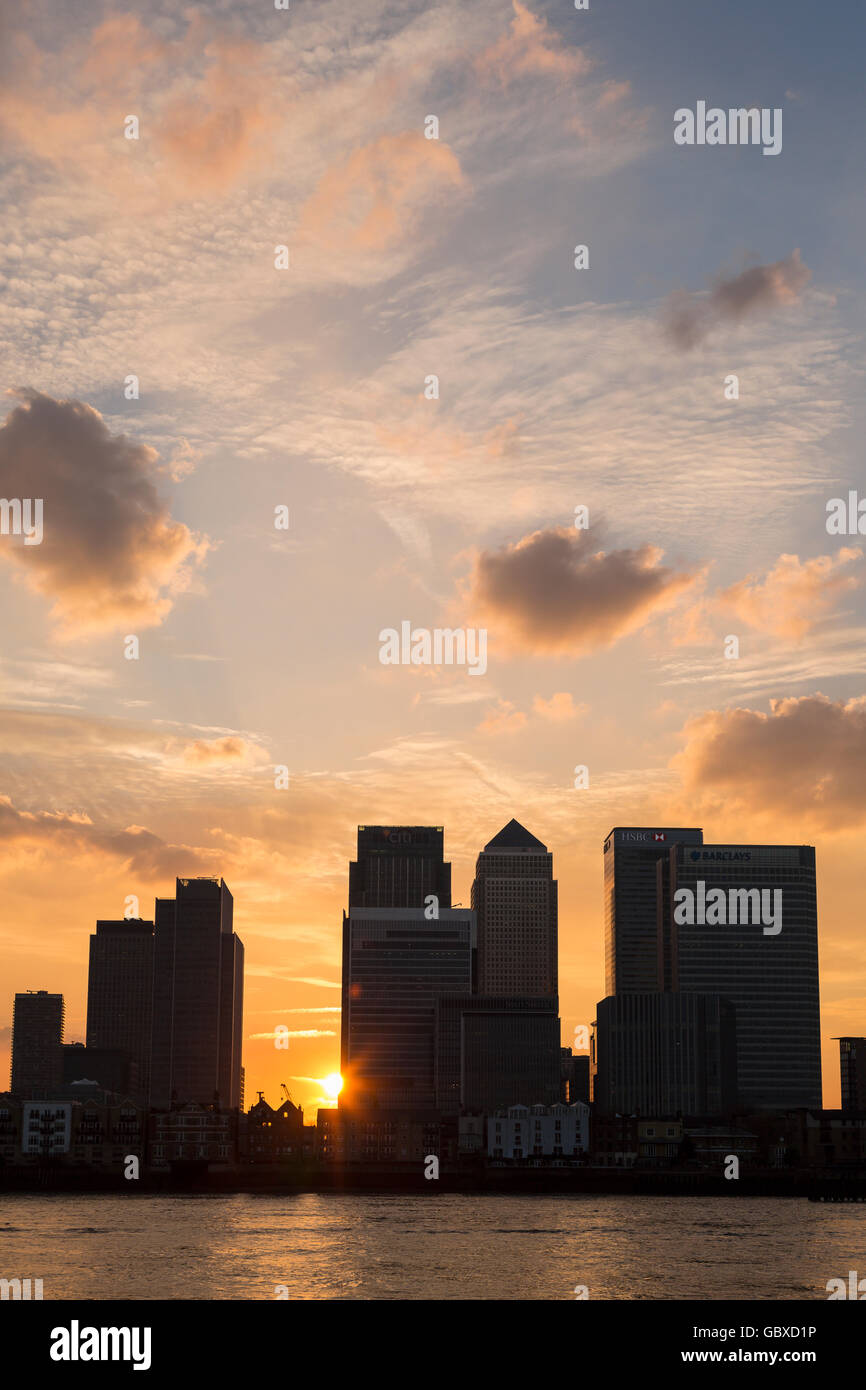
column 555, row 1131
column 193, row 1133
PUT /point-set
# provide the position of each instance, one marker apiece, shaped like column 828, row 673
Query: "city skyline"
column 417, row 314
column 411, row 913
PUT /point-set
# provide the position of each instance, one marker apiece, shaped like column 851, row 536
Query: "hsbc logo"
column 659, row 835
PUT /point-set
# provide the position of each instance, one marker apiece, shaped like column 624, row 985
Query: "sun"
column 333, row 1084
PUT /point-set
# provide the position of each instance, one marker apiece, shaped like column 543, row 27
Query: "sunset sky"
column 305, row 387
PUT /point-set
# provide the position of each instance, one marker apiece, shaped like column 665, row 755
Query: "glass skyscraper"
column 198, row 982
column 770, row 977
column 120, row 992
column 396, row 962
column 633, row 945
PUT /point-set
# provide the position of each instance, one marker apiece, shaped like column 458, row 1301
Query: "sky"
column 246, row 276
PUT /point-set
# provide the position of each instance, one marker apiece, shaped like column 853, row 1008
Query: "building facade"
column 539, row 1132
column 633, row 954
column 396, row 962
column 493, row 1052
column 768, row 972
column 515, row 897
column 120, row 992
column 37, row 1038
column 852, row 1068
column 661, row 1054
column 399, row 866
column 197, row 998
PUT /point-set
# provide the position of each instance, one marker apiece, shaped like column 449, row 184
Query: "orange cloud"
column 788, row 601
column 550, row 593
column 530, row 49
column 807, row 757
column 794, row 596
column 111, row 555
column 376, row 197
column 218, row 750
column 505, row 719
column 559, row 708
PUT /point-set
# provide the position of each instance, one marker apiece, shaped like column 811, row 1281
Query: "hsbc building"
column 633, row 962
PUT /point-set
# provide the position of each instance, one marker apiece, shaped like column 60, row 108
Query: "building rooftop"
column 515, row 836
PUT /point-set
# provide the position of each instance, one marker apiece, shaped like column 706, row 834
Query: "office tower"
column 492, row 1052
column 768, row 971
column 633, row 944
column 197, row 997
column 852, row 1066
column 37, row 1037
column 515, row 898
column 666, row 1054
column 120, row 993
column 396, row 961
column 399, row 866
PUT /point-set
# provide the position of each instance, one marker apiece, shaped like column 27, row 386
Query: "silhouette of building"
column 272, row 1134
column 120, row 992
column 515, row 897
column 770, row 976
column 197, row 998
column 852, row 1066
column 396, row 962
column 399, row 866
column 37, row 1037
column 633, row 956
column 666, row 1054
column 493, row 1052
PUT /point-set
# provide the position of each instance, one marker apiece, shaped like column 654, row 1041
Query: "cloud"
column 530, row 49
column 297, row 1033
column 505, row 719
column 688, row 317
column 111, row 555
column 70, row 833
column 550, row 593
column 374, row 200
column 795, row 595
column 787, row 601
column 559, row 708
column 806, row 757
column 200, row 99
column 213, row 135
column 219, row 750
column 312, row 980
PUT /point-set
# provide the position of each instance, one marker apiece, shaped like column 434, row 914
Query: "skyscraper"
column 120, row 992
column 515, row 898
column 492, row 1052
column 37, row 1038
column 852, row 1067
column 197, row 997
column 666, row 1054
column 396, row 962
column 770, row 976
column 633, row 942
column 399, row 866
